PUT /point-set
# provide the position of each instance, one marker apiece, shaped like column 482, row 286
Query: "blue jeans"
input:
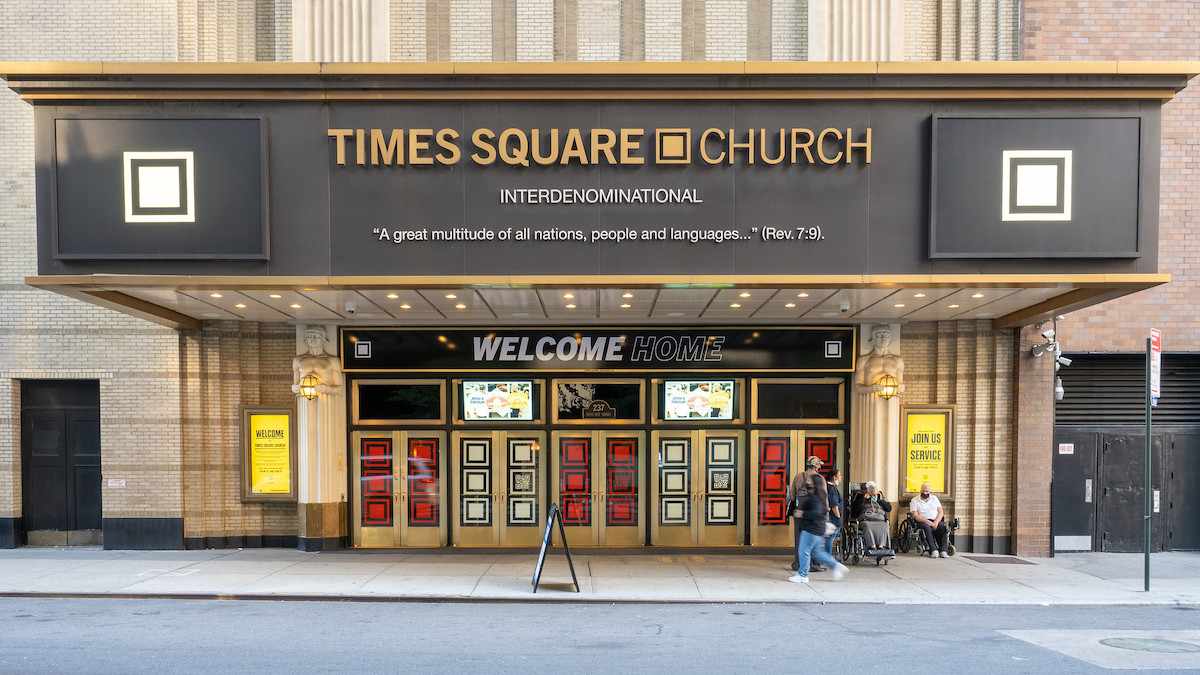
column 829, row 541
column 811, row 546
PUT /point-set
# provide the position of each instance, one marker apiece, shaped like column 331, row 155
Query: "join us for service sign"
column 928, row 442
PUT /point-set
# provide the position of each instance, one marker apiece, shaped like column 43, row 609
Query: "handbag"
column 830, row 528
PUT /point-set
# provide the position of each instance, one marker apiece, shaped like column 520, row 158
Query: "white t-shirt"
column 926, row 508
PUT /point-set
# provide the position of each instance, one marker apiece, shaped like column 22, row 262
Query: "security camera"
column 1059, row 392
column 1048, row 333
column 351, row 308
column 844, row 307
column 1063, row 360
column 1038, row 350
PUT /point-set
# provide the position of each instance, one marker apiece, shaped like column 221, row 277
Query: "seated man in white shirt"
column 926, row 509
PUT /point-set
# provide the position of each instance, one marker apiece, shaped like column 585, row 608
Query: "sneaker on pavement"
column 933, row 554
column 945, row 555
column 796, row 578
column 840, row 571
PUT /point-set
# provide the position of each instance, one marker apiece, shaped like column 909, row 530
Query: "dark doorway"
column 1183, row 492
column 60, row 459
column 1123, row 493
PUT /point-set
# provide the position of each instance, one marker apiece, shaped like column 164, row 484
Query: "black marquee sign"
column 802, row 349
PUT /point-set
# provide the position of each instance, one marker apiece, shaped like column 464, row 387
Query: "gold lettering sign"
column 592, row 147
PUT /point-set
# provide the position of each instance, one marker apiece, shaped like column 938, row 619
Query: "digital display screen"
column 693, row 399
column 508, row 400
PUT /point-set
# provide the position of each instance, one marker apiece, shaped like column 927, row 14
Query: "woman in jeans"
column 812, row 532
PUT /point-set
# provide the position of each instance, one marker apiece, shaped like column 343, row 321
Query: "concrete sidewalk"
column 622, row 576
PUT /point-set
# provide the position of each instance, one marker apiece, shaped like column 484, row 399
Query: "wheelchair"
column 910, row 538
column 853, row 547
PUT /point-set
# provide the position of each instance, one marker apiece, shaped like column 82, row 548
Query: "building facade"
column 149, row 380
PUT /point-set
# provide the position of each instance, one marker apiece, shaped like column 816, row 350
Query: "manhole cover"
column 1151, row 645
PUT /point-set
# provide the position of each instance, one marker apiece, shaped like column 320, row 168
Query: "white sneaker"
column 798, row 579
column 933, row 554
column 840, row 571
column 945, row 554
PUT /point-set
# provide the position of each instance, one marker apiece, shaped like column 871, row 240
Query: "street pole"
column 1147, row 517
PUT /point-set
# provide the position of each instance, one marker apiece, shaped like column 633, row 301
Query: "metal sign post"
column 1153, row 371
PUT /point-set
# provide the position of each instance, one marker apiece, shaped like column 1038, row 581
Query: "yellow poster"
column 270, row 454
column 925, row 446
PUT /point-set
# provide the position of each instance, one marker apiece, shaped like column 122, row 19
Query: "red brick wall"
column 1146, row 30
column 1032, row 454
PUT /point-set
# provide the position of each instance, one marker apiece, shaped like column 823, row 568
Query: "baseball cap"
column 813, row 461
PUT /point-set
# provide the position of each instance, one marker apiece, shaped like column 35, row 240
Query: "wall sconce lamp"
column 888, row 386
column 308, row 386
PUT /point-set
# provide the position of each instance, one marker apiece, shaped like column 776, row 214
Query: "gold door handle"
column 503, row 496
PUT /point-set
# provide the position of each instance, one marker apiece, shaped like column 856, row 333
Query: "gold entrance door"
column 775, row 457
column 499, row 488
column 598, row 482
column 399, row 489
column 696, row 492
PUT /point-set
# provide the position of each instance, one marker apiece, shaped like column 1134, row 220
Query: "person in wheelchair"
column 926, row 510
column 870, row 509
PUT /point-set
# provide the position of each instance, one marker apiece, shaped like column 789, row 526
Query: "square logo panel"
column 622, row 510
column 771, row 479
column 673, row 511
column 575, row 452
column 422, row 511
column 476, row 511
column 362, row 349
column 522, row 512
column 673, row 146
column 160, row 187
column 673, row 481
column 622, row 452
column 674, row 452
column 722, row 450
column 577, row 511
column 476, row 481
column 377, row 454
column 773, row 451
column 1036, row 185
column 377, row 511
column 521, row 452
column 477, row 452
column 721, row 511
column 576, row 480
column 770, row 511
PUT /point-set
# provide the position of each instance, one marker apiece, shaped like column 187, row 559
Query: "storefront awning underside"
column 1005, row 300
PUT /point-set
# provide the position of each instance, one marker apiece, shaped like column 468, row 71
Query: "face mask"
column 924, row 495
column 874, row 498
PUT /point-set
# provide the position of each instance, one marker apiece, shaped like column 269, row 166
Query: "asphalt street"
column 95, row 635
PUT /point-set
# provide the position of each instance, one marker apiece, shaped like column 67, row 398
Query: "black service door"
column 1073, row 490
column 1183, row 493
column 61, row 456
column 1122, row 501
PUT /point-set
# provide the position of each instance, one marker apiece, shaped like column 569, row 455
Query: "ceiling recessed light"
column 568, row 296
column 451, row 296
column 918, row 295
column 625, row 305
column 627, row 295
column 571, row 306
column 829, row 314
column 240, row 305
column 392, row 296
column 406, row 306
column 295, row 305
column 984, row 315
column 953, row 306
column 802, row 295
column 735, row 305
column 276, row 296
column 743, row 295
column 210, row 315
column 675, row 314
column 898, row 304
column 460, row 306
column 790, row 304
column 977, row 295
column 216, row 295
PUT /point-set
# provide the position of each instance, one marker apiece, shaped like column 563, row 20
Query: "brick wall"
column 1032, row 453
column 1151, row 30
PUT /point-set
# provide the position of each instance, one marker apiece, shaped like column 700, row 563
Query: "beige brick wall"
column 664, row 19
column 225, row 366
column 408, row 27
column 599, row 30
column 983, row 30
column 969, row 365
column 535, row 30
column 725, row 30
column 470, row 30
